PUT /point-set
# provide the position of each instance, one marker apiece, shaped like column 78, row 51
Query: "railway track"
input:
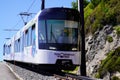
column 68, row 76
column 27, row 71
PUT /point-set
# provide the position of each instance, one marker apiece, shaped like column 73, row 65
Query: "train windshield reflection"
column 62, row 31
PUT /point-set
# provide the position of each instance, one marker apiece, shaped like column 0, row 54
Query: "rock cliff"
column 98, row 46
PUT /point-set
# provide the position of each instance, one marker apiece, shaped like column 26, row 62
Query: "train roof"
column 59, row 13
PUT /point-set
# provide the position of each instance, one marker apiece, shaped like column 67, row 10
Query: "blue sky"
column 10, row 18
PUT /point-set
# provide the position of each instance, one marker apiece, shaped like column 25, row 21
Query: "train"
column 51, row 39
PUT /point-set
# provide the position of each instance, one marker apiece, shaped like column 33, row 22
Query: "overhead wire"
column 31, row 5
column 29, row 9
column 15, row 28
column 19, row 21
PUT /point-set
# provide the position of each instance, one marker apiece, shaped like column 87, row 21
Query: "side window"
column 18, row 50
column 33, row 35
column 17, row 45
column 29, row 40
column 42, row 31
column 26, row 37
column 9, row 48
column 4, row 49
column 22, row 42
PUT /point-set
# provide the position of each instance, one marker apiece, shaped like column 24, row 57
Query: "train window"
column 4, row 49
column 15, row 46
column 9, row 48
column 18, row 45
column 22, row 43
column 42, row 32
column 26, row 38
column 29, row 40
column 62, row 31
column 54, row 28
column 33, row 35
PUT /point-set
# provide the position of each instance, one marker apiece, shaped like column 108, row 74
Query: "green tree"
column 75, row 4
column 95, row 2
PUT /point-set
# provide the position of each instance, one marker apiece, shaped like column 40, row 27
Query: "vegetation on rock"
column 109, row 39
column 110, row 64
column 100, row 13
column 115, row 78
column 117, row 28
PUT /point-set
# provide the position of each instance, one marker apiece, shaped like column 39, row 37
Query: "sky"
column 10, row 18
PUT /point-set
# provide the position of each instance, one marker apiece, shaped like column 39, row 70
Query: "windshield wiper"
column 52, row 35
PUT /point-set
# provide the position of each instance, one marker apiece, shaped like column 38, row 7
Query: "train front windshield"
column 56, row 32
column 61, row 31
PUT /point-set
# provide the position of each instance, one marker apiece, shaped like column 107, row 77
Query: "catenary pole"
column 43, row 4
column 83, row 53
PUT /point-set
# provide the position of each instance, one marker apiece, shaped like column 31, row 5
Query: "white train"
column 50, row 39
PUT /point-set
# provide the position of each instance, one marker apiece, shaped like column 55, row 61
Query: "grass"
column 73, row 72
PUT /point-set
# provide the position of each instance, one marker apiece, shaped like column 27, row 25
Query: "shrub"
column 117, row 28
column 109, row 39
column 97, row 75
column 88, row 10
column 115, row 78
column 95, row 2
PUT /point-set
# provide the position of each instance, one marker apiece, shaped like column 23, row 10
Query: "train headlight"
column 74, row 49
column 53, row 48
